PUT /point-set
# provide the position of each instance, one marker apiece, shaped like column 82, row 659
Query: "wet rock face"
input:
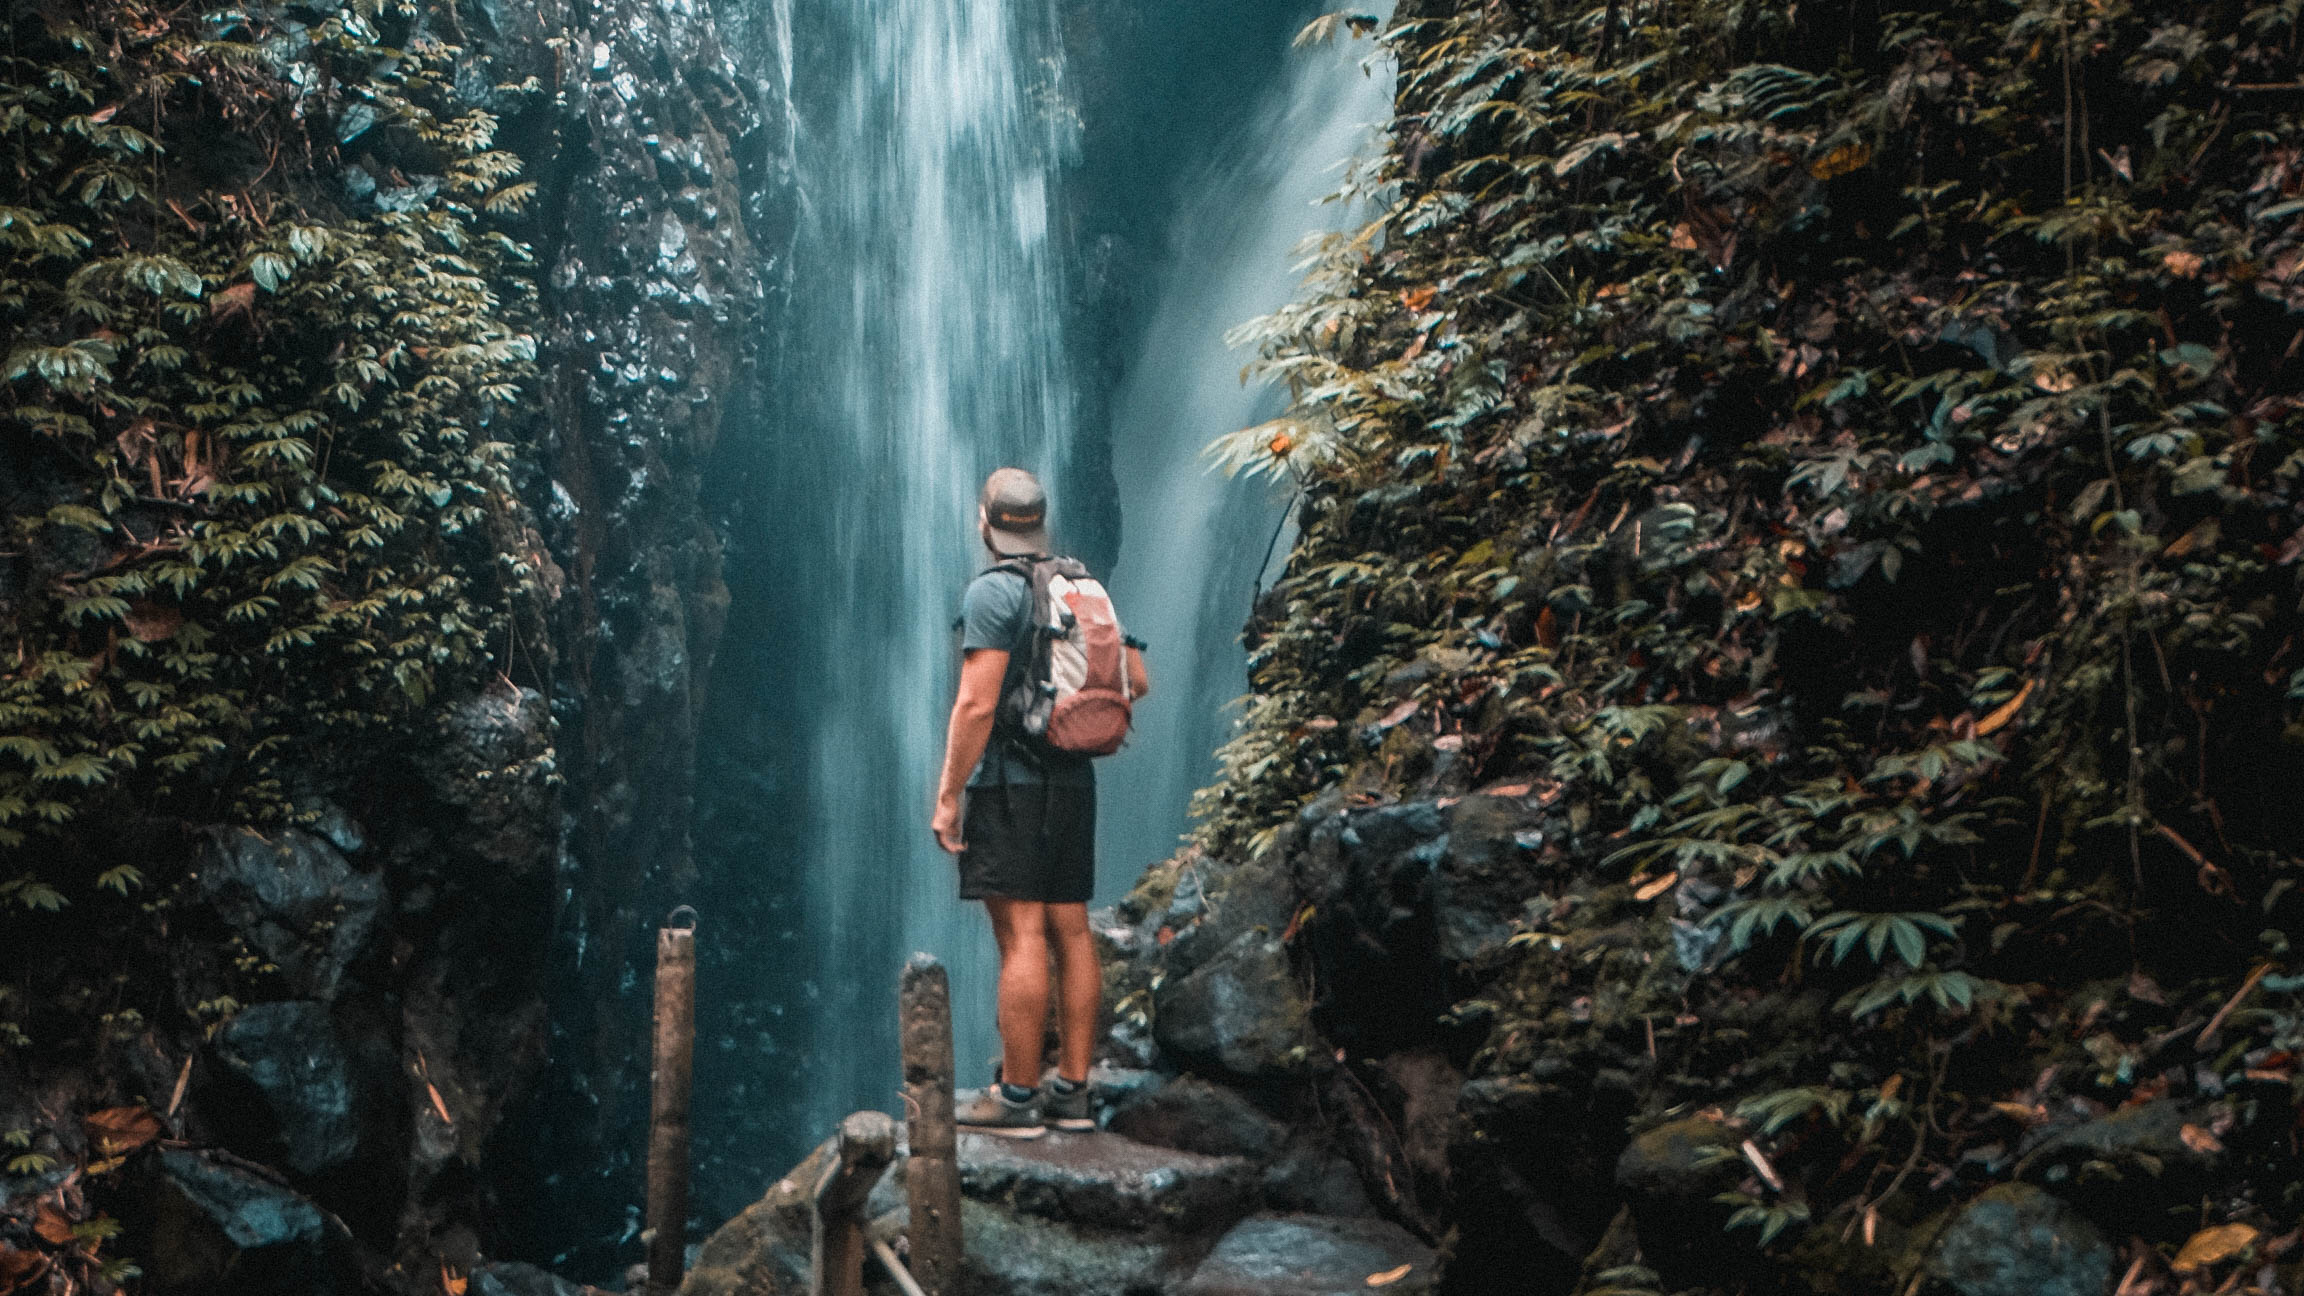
column 660, row 241
column 1240, row 1014
column 294, row 899
column 1195, row 1115
column 1408, row 899
column 2016, row 1240
column 209, row 1227
column 305, row 1099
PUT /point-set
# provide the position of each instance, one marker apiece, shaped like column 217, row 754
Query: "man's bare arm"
column 981, row 674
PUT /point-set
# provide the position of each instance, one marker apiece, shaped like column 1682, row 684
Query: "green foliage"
column 261, row 427
column 1855, row 464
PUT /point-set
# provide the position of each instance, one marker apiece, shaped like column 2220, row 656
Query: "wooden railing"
column 839, row 1236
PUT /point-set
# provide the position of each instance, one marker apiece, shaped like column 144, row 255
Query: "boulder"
column 1482, row 880
column 1313, row 1255
column 203, row 1227
column 1313, row 1178
column 2128, row 1166
column 302, row 1083
column 295, row 900
column 2018, row 1240
column 764, row 1251
column 1240, row 1014
column 1193, row 1115
column 1008, row 1254
column 1669, row 1177
column 495, row 762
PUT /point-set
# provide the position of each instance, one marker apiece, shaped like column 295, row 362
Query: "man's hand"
column 946, row 824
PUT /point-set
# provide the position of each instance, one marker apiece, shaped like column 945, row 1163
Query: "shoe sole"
column 1006, row 1131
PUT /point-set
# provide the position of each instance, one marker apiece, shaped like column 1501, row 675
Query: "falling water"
column 1195, row 542
column 925, row 344
column 926, row 349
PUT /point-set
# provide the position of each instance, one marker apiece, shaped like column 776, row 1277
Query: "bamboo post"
column 867, row 1145
column 932, row 1177
column 670, row 1079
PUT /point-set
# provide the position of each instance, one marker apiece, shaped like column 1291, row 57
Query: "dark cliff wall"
column 660, row 262
column 326, row 958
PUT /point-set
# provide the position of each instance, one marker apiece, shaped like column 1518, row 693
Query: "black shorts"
column 1029, row 841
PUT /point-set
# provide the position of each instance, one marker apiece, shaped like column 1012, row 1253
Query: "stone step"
column 1106, row 1181
column 1314, row 1255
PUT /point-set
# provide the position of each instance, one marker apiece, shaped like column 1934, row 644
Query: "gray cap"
column 1015, row 513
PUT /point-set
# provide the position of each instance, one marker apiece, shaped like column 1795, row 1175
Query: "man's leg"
column 1020, row 926
column 1080, row 988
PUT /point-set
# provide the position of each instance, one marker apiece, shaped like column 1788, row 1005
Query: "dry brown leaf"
column 438, row 1104
column 2005, row 712
column 1841, row 161
column 2025, row 1112
column 2214, row 1245
column 20, row 1269
column 2181, row 264
column 117, row 1131
column 1416, row 299
column 1871, row 1225
column 1652, row 889
column 1398, row 714
column 1389, row 1276
column 1509, row 790
column 2200, row 1140
column 239, row 299
column 451, row 1281
column 1683, row 237
column 1760, row 1163
column 50, row 1224
column 183, row 1080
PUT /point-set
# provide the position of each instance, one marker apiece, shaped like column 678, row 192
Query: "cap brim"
column 1016, row 543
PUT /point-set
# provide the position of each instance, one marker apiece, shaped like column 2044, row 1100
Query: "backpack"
column 1067, row 684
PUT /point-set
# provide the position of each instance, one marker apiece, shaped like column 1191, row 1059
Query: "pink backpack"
column 1067, row 680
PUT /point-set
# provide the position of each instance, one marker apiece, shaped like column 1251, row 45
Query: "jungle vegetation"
column 1847, row 462
column 263, row 340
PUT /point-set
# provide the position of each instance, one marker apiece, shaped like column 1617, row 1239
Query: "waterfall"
column 925, row 343
column 1194, row 541
column 924, row 349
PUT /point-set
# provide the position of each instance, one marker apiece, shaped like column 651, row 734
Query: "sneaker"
column 1067, row 1111
column 987, row 1112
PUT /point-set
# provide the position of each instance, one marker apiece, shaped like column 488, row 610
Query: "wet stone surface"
column 1106, row 1181
column 2016, row 1240
column 1312, row 1255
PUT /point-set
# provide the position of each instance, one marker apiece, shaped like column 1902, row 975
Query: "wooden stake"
column 671, row 1079
column 932, row 1178
column 867, row 1145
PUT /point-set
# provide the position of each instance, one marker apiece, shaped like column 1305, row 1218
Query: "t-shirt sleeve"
column 992, row 614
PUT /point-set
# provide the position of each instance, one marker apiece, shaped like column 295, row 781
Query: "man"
column 1028, row 849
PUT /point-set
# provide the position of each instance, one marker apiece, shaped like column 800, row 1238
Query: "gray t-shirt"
column 993, row 614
